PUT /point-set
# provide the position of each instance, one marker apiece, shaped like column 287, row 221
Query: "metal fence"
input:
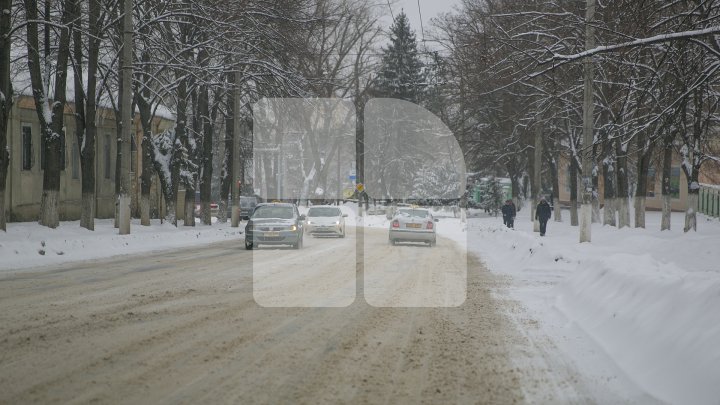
column 710, row 200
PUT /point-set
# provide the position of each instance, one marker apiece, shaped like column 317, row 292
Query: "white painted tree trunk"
column 639, row 212
column 666, row 211
column 171, row 213
column 585, row 222
column 205, row 213
column 609, row 212
column 87, row 215
column 49, row 209
column 691, row 212
column 124, row 214
column 222, row 211
column 557, row 211
column 623, row 208
column 463, row 215
column 596, row 210
column 145, row 210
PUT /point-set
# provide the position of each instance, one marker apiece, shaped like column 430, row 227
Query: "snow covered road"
column 183, row 326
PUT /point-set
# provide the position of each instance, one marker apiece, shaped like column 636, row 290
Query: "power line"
column 422, row 29
column 391, row 12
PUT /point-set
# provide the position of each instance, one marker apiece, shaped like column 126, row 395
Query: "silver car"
column 325, row 220
column 412, row 225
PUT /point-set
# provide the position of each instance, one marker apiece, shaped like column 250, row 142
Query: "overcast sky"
column 429, row 9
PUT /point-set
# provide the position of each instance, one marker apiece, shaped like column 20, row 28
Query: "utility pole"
column 126, row 117
column 588, row 124
column 236, row 183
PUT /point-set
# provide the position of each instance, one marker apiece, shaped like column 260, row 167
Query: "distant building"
column 25, row 173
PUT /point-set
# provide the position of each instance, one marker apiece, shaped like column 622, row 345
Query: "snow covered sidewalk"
column 649, row 299
column 27, row 244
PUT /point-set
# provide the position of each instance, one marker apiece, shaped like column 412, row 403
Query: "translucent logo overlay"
column 309, row 252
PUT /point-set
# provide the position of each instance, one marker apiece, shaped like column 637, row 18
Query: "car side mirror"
column 301, row 217
column 437, row 220
column 345, row 215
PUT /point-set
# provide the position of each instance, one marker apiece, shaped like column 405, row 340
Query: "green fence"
column 710, row 200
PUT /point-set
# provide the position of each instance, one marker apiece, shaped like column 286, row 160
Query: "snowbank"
column 649, row 299
column 27, row 244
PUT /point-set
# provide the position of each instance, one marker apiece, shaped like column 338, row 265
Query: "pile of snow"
column 649, row 299
column 27, row 244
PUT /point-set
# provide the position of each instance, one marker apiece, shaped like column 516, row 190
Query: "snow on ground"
column 649, row 299
column 637, row 310
column 27, row 244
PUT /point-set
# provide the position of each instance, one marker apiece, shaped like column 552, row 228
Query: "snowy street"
column 183, row 326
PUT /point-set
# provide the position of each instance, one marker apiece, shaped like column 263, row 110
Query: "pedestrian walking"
column 542, row 214
column 509, row 212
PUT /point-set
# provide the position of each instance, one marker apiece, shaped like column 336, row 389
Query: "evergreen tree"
column 401, row 74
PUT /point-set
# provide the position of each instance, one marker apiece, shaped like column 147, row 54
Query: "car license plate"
column 272, row 234
column 412, row 225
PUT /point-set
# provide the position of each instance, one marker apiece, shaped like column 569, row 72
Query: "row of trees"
column 205, row 61
column 513, row 93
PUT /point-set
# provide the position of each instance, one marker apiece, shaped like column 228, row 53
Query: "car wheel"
column 433, row 242
column 248, row 245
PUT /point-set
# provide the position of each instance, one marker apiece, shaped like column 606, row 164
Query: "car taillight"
column 396, row 224
column 430, row 225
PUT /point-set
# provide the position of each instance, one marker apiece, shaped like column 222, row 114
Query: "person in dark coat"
column 542, row 214
column 508, row 212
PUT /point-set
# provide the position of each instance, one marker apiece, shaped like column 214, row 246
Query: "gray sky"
column 429, row 9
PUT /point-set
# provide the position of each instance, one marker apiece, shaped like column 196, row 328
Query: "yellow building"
column 25, row 173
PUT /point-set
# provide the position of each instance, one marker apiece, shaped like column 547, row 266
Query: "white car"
column 412, row 225
column 325, row 220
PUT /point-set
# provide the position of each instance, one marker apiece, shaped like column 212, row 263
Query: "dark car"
column 274, row 224
column 247, row 205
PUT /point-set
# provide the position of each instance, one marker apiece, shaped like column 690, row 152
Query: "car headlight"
column 309, row 222
column 337, row 222
column 293, row 227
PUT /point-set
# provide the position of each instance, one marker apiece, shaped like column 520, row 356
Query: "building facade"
column 25, row 173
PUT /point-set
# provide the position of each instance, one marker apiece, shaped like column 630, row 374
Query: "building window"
column 26, row 147
column 675, row 182
column 106, row 157
column 650, row 189
column 75, row 162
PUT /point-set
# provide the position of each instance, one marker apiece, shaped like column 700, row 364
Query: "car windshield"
column 323, row 212
column 414, row 213
column 247, row 202
column 273, row 212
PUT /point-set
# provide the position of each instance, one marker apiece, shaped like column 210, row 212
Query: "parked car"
column 247, row 205
column 274, row 224
column 325, row 220
column 412, row 225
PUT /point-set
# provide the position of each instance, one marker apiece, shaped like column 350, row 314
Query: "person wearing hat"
column 542, row 214
column 508, row 212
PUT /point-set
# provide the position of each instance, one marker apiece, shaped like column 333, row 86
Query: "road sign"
column 352, row 177
column 360, row 187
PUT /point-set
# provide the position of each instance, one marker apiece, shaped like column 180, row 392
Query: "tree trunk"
column 537, row 177
column 609, row 190
column 51, row 120
column 6, row 101
column 666, row 197
column 226, row 174
column 557, row 211
column 141, row 98
column 691, row 211
column 622, row 192
column 573, row 192
column 124, row 198
column 643, row 165
column 207, row 142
